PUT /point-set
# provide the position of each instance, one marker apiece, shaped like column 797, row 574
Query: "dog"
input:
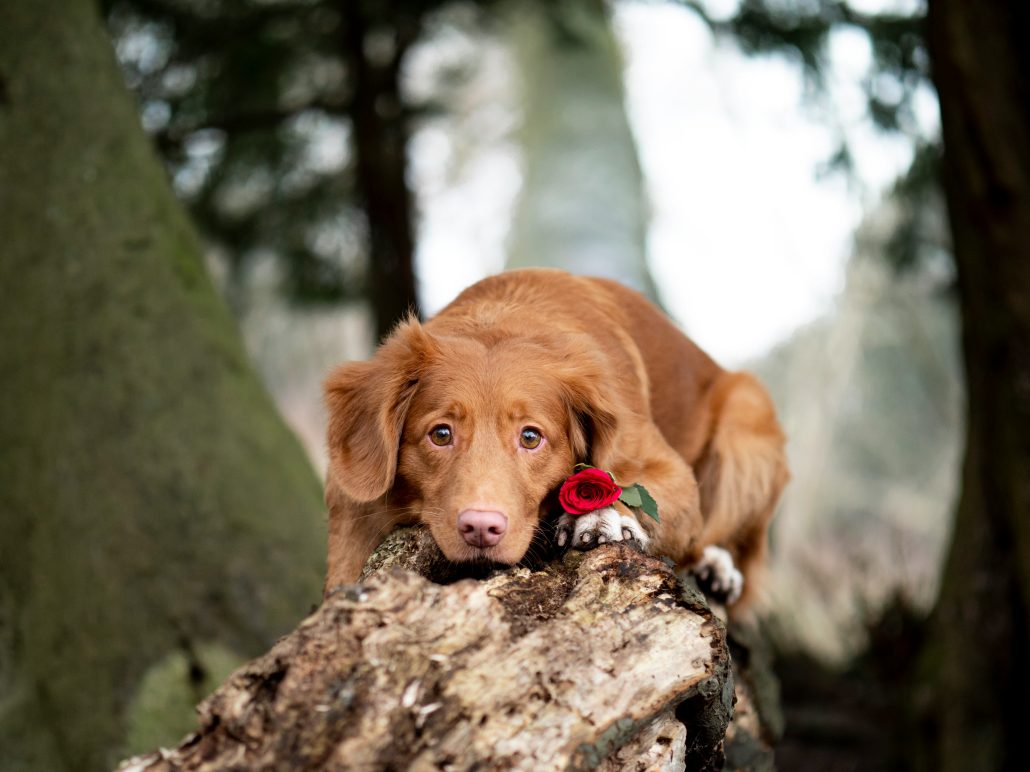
column 470, row 422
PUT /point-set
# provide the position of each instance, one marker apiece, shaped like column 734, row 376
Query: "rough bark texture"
column 598, row 660
column 159, row 522
column 977, row 658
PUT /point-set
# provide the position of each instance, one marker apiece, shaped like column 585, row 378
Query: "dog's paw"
column 717, row 576
column 584, row 532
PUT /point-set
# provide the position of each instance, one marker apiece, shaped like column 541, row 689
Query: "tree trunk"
column 582, row 205
column 600, row 660
column 160, row 523
column 375, row 44
column 977, row 654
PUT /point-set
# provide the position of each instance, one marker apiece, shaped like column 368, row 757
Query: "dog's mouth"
column 473, row 563
column 541, row 549
column 493, row 557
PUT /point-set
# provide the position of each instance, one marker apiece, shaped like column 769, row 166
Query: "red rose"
column 587, row 490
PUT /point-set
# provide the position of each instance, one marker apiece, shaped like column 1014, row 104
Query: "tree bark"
column 375, row 44
column 602, row 660
column 977, row 654
column 159, row 522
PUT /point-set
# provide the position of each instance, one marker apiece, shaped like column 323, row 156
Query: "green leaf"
column 637, row 497
column 581, row 467
column 648, row 504
column 631, row 497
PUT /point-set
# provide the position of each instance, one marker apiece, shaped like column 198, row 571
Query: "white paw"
column 718, row 575
column 584, row 532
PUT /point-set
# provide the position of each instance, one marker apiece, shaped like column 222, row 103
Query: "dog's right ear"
column 367, row 403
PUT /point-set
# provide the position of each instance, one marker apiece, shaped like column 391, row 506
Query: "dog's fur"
column 604, row 376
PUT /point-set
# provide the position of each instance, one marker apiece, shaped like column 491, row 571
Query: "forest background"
column 777, row 174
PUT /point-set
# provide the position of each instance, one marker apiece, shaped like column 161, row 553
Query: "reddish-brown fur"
column 606, row 378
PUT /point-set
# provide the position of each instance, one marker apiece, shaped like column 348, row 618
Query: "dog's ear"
column 593, row 416
column 367, row 403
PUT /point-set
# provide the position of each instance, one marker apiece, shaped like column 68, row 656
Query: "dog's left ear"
column 593, row 416
column 367, row 403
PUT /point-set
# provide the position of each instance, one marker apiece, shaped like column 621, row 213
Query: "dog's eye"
column 441, row 435
column 530, row 438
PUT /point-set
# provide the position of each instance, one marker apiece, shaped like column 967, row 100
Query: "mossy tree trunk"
column 159, row 522
column 977, row 654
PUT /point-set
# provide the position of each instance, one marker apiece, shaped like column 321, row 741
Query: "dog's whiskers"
column 388, row 512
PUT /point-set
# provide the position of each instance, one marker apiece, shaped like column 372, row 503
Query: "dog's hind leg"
column 741, row 473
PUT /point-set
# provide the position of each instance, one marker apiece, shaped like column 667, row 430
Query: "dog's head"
column 472, row 431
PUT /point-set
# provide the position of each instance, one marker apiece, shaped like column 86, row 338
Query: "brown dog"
column 469, row 423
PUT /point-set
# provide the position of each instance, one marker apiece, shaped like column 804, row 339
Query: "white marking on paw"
column 599, row 527
column 716, row 569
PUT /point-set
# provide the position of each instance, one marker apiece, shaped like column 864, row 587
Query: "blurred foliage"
column 800, row 30
column 250, row 103
column 247, row 103
column 920, row 235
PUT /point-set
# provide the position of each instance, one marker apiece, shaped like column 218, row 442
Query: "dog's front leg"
column 644, row 457
column 355, row 530
column 667, row 478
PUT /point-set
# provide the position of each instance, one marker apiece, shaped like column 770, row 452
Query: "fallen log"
column 602, row 659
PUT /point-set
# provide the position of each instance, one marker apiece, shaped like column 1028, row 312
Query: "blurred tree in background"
column 160, row 524
column 976, row 659
column 582, row 205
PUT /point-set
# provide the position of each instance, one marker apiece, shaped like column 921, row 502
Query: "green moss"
column 164, row 708
column 149, row 491
column 613, row 738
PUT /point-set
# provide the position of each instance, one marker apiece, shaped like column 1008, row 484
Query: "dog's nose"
column 482, row 528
